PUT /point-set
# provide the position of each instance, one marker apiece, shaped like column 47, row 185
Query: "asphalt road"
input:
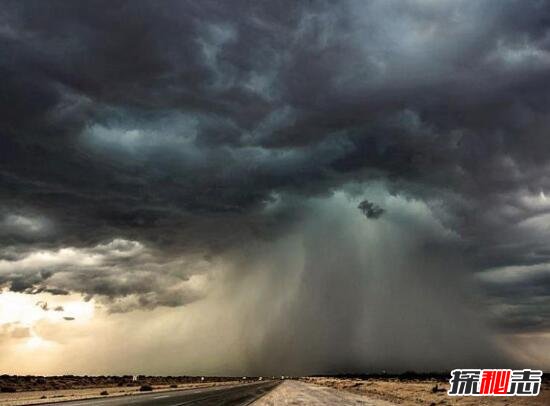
column 242, row 394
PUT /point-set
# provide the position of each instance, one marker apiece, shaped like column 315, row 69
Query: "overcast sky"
column 252, row 187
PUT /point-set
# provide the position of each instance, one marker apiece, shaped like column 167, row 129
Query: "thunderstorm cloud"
column 184, row 155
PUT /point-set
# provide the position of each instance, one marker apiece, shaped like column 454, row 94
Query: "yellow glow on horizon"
column 23, row 308
column 35, row 342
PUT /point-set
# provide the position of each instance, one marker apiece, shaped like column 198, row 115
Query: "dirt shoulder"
column 421, row 392
column 293, row 392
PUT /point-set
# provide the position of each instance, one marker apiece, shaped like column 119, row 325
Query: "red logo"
column 495, row 382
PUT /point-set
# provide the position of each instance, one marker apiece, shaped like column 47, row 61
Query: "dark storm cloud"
column 180, row 124
column 370, row 210
column 123, row 274
column 520, row 299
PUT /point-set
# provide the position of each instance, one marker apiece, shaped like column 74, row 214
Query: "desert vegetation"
column 17, row 383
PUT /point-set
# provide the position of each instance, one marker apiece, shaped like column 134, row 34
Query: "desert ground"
column 347, row 391
column 420, row 391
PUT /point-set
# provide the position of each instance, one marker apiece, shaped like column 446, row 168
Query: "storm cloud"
column 161, row 154
column 370, row 210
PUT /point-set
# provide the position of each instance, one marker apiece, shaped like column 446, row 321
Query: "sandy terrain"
column 301, row 393
column 307, row 391
column 48, row 396
column 419, row 392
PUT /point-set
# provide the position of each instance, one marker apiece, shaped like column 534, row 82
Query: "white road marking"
column 160, row 397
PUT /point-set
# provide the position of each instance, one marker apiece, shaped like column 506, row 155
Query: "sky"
column 274, row 187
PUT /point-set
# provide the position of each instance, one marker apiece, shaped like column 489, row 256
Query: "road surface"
column 242, row 394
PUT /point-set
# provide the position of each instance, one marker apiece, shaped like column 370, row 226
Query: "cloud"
column 518, row 297
column 141, row 153
column 22, row 224
column 123, row 274
column 13, row 331
column 370, row 210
